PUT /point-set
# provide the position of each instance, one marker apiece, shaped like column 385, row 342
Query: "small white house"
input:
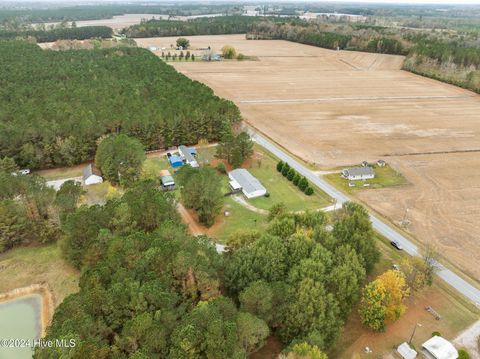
column 358, row 173
column 91, row 175
column 438, row 348
column 244, row 180
column 187, row 155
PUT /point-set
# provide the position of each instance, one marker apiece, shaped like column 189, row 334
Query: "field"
column 335, row 108
column 24, row 266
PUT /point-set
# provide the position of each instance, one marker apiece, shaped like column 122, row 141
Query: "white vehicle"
column 23, row 172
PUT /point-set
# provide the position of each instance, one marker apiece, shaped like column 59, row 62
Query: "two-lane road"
column 380, row 226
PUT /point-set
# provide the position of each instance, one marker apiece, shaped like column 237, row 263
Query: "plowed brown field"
column 336, row 108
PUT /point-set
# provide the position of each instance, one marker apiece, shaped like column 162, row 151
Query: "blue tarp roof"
column 175, row 161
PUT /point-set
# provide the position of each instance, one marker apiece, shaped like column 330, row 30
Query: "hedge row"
column 293, row 176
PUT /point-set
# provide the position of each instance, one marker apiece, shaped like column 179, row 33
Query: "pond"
column 20, row 319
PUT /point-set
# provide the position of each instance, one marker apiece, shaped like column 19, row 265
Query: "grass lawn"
column 456, row 312
column 384, row 177
column 264, row 167
column 62, row 172
column 23, row 266
column 153, row 165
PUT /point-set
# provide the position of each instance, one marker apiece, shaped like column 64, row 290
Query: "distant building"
column 91, row 175
column 381, row 163
column 167, row 180
column 187, row 155
column 358, row 173
column 250, row 186
column 438, row 348
column 175, row 161
column 406, row 352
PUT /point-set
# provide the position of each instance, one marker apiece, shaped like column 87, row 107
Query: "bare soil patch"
column 335, row 108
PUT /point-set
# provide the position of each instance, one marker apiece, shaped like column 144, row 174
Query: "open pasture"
column 337, row 108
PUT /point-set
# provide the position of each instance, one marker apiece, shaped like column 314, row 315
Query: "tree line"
column 55, row 106
column 234, row 24
column 71, row 33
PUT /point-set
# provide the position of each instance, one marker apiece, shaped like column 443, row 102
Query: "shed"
column 187, row 156
column 91, row 175
column 439, row 348
column 406, row 352
column 250, row 186
column 175, row 161
column 167, row 182
column 381, row 163
column 358, row 173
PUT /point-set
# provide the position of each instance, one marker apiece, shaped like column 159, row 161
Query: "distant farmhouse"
column 91, row 175
column 242, row 180
column 358, row 173
column 188, row 155
column 438, row 348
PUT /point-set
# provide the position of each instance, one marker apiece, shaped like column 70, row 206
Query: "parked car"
column 396, row 245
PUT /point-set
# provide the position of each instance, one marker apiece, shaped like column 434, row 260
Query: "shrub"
column 285, row 169
column 436, row 334
column 303, row 183
column 280, row 166
column 296, row 179
column 309, row 191
column 267, row 194
column 221, row 168
column 240, row 57
column 462, row 354
column 291, row 173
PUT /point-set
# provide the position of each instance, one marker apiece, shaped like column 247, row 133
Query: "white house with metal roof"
column 406, row 352
column 187, row 155
column 358, row 173
column 251, row 187
column 439, row 348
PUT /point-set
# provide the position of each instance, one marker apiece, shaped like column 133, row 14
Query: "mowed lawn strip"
column 23, row 266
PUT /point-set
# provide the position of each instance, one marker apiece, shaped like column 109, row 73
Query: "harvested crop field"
column 337, row 108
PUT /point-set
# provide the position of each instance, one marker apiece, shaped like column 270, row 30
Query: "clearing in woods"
column 335, row 108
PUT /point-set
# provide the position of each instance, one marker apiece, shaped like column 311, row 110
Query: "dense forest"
column 149, row 290
column 55, row 105
column 73, row 33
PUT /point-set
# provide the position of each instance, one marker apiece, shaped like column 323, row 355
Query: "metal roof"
column 359, row 171
column 167, row 180
column 245, row 179
column 440, row 348
column 90, row 170
column 185, row 152
column 406, row 352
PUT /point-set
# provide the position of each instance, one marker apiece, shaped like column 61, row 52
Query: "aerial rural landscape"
column 233, row 180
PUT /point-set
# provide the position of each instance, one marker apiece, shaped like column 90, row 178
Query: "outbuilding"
column 406, row 352
column 167, row 180
column 358, row 173
column 91, row 175
column 175, row 161
column 251, row 187
column 439, row 348
column 187, row 155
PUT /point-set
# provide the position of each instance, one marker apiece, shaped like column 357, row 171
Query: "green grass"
column 280, row 188
column 384, row 177
column 153, row 165
column 61, row 173
column 23, row 266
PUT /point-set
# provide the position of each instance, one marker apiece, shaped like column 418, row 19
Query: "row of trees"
column 73, row 33
column 54, row 106
column 295, row 177
column 187, row 56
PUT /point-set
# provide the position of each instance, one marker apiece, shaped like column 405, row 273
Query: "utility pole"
column 413, row 333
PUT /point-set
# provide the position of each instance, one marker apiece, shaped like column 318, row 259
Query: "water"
column 20, row 319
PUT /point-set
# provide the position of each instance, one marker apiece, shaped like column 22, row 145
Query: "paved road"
column 381, row 227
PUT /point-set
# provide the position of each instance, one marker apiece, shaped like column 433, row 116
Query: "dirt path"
column 193, row 226
column 469, row 339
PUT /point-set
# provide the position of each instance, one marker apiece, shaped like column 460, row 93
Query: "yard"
column 384, row 177
column 23, row 266
column 457, row 314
